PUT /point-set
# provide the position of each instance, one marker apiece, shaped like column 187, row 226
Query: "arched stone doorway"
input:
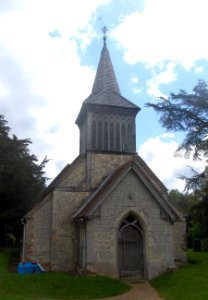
column 131, row 249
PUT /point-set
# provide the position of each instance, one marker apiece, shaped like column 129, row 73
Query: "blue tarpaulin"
column 29, row 268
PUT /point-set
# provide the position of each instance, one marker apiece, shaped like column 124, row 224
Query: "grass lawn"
column 187, row 283
column 54, row 285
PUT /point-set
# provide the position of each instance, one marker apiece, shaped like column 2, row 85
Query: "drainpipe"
column 83, row 229
column 85, row 246
column 23, row 221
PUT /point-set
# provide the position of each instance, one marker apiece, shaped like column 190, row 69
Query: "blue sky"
column 49, row 51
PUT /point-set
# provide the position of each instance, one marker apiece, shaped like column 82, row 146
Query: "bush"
column 197, row 245
column 204, row 244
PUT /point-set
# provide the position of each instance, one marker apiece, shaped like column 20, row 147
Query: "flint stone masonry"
column 64, row 245
column 77, row 175
column 51, row 236
column 38, row 233
column 179, row 235
column 103, row 228
column 99, row 165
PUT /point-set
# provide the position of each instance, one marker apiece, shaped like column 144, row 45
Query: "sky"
column 49, row 52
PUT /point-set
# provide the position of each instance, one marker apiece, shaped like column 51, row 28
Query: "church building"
column 106, row 213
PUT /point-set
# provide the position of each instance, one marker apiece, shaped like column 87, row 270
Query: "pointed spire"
column 105, row 79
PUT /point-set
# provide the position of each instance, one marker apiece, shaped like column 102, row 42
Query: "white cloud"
column 167, row 135
column 199, row 69
column 136, row 90
column 164, row 77
column 42, row 82
column 159, row 155
column 165, row 30
column 3, row 90
column 134, row 79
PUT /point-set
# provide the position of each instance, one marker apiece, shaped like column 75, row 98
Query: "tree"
column 21, row 179
column 198, row 221
column 188, row 113
column 184, row 202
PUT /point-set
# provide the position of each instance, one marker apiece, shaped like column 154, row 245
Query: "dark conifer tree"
column 21, row 180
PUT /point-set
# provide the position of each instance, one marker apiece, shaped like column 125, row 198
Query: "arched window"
column 130, row 220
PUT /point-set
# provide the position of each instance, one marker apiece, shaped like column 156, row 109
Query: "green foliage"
column 195, row 229
column 184, row 202
column 198, row 221
column 21, row 179
column 55, row 285
column 197, row 245
column 189, row 204
column 199, row 218
column 187, row 113
column 187, row 283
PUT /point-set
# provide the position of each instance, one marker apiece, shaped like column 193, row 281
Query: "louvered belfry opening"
column 130, row 250
column 113, row 133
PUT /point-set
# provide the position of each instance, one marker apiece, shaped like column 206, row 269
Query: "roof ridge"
column 102, row 187
column 58, row 178
column 92, row 201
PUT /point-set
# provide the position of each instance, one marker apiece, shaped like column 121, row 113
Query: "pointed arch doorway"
column 131, row 250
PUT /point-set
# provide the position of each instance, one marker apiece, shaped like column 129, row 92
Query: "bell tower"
column 107, row 120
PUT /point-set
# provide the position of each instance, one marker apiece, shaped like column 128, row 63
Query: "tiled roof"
column 105, row 79
column 109, row 98
column 56, row 181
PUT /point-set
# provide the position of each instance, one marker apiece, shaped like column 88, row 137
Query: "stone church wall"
column 100, row 165
column 64, row 233
column 179, row 231
column 129, row 196
column 77, row 173
column 38, row 233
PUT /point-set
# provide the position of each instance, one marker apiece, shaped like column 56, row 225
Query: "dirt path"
column 139, row 291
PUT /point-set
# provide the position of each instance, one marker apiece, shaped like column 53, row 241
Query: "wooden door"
column 130, row 253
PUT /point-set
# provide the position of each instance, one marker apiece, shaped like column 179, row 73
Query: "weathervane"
column 104, row 30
